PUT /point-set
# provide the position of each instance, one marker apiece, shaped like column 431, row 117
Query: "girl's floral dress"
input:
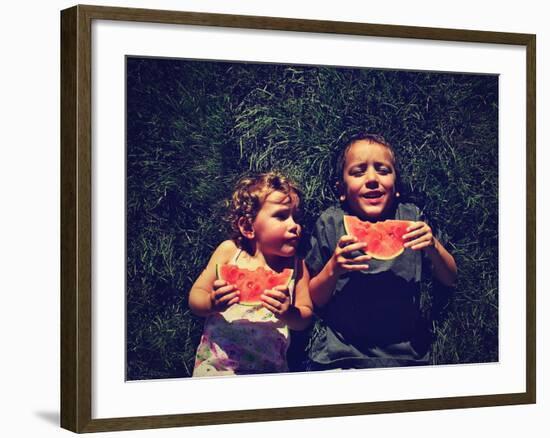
column 243, row 339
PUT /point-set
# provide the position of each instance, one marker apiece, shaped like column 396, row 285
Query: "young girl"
column 369, row 309
column 242, row 339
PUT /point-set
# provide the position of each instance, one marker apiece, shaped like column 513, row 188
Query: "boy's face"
column 369, row 179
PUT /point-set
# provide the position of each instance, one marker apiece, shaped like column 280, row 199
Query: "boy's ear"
column 341, row 190
column 245, row 227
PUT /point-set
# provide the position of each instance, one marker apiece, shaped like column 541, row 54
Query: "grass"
column 194, row 127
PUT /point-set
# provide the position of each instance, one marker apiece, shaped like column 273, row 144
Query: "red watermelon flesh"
column 384, row 239
column 253, row 283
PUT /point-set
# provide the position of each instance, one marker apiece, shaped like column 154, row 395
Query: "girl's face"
column 276, row 231
column 369, row 179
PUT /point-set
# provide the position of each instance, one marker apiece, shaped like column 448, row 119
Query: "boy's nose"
column 371, row 176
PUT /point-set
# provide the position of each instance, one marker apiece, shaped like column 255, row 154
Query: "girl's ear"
column 341, row 190
column 245, row 227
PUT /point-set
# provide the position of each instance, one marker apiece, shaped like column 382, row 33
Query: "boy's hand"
column 223, row 295
column 342, row 260
column 276, row 300
column 419, row 236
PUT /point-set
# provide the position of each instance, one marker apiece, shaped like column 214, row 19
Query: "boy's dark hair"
column 249, row 196
column 346, row 142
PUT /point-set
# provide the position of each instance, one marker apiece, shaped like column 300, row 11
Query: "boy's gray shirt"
column 373, row 317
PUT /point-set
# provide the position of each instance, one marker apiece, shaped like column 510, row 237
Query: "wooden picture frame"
column 76, row 218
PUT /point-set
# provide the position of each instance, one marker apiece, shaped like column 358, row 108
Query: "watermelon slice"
column 384, row 239
column 253, row 283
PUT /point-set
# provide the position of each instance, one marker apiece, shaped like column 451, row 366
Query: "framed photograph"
column 180, row 129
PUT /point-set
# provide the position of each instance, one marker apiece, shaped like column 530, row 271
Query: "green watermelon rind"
column 370, row 253
column 253, row 303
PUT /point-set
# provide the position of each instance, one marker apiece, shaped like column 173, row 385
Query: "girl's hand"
column 419, row 236
column 276, row 300
column 342, row 260
column 223, row 295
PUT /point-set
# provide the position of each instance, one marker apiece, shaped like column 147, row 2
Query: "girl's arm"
column 298, row 316
column 208, row 294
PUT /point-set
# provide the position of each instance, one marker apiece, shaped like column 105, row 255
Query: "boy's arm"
column 421, row 237
column 299, row 315
column 443, row 263
column 317, row 259
column 323, row 284
column 200, row 301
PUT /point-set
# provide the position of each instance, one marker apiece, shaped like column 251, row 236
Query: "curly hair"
column 249, row 196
